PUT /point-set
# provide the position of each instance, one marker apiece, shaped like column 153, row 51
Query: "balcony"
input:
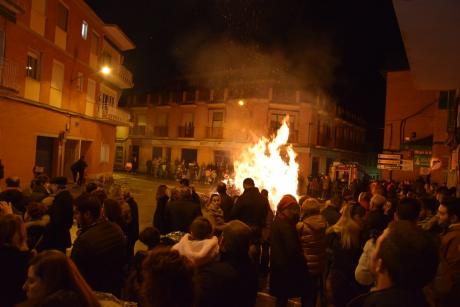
column 112, row 114
column 120, row 76
column 214, row 132
column 186, row 131
column 137, row 130
column 160, row 131
column 8, row 73
column 325, row 140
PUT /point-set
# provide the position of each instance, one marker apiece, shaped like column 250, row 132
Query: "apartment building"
column 62, row 74
column 205, row 125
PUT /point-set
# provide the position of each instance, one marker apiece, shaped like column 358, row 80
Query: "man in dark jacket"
column 227, row 201
column 57, row 233
column 288, row 267
column 233, row 271
column 179, row 214
column 78, row 169
column 251, row 207
column 100, row 248
column 133, row 225
column 405, row 261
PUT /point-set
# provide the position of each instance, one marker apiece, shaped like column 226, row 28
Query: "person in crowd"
column 78, row 170
column 376, row 220
column 252, row 208
column 408, row 209
column 181, row 213
column 54, row 280
column 288, row 266
column 91, row 186
column 234, row 270
column 344, row 250
column 40, row 188
column 199, row 246
column 325, row 187
column 227, row 202
column 36, row 220
column 185, row 183
column 332, row 211
column 427, row 217
column 213, row 212
column 100, row 248
column 57, row 234
column 168, row 280
column 131, row 217
column 312, row 232
column 265, row 238
column 404, row 262
column 159, row 217
column 449, row 220
column 364, row 199
column 150, row 237
column 112, row 211
column 14, row 258
column 13, row 195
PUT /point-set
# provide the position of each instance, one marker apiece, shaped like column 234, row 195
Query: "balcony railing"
column 8, row 74
column 126, row 76
column 112, row 114
column 186, row 131
column 214, row 132
column 161, row 131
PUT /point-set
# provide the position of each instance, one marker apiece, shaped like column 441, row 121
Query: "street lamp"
column 106, row 70
column 241, row 103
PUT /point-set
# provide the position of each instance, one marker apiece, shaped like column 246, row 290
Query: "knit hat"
column 285, row 202
column 310, row 207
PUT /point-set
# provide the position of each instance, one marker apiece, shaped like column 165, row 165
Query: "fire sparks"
column 264, row 163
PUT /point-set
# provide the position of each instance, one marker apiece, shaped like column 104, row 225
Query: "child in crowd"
column 199, row 246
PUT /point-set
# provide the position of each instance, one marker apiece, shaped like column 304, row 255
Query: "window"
column 105, row 151
column 217, row 119
column 32, row 68
column 91, row 90
column 57, row 78
column 94, row 43
column 79, row 82
column 84, row 30
column 62, row 17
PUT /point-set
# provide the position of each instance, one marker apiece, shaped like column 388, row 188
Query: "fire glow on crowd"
column 270, row 168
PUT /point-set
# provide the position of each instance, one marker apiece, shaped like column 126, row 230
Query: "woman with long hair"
column 14, row 257
column 159, row 220
column 344, row 249
column 54, row 280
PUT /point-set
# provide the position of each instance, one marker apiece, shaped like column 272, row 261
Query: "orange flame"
column 264, row 163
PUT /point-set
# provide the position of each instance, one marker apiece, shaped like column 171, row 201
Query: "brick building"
column 212, row 125
column 56, row 102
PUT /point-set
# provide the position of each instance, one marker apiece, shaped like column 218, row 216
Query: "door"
column 45, row 153
column 189, row 156
column 314, row 166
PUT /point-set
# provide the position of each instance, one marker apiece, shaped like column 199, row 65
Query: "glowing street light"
column 106, row 70
column 241, row 103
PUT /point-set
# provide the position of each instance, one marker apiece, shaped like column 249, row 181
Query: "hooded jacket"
column 198, row 252
column 312, row 233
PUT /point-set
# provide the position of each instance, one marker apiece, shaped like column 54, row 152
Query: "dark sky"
column 344, row 47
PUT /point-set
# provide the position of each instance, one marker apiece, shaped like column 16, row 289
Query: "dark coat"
column 16, row 198
column 391, row 297
column 226, row 205
column 341, row 279
column 13, row 268
column 100, row 255
column 132, row 228
column 214, row 281
column 312, row 232
column 331, row 214
column 159, row 217
column 288, row 267
column 57, row 234
column 450, row 254
column 376, row 222
column 251, row 208
column 180, row 215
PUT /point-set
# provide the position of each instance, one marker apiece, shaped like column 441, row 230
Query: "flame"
column 264, row 163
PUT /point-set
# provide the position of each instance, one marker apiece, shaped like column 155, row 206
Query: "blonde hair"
column 347, row 227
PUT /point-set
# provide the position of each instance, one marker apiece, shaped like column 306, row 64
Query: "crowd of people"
column 377, row 244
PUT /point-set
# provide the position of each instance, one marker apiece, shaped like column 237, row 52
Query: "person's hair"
column 264, row 193
column 58, row 272
column 185, row 193
column 161, row 191
column 90, row 187
column 310, row 206
column 168, row 280
column 115, row 192
column 42, row 179
column 453, row 207
column 88, row 203
column 201, row 228
column 184, row 182
column 377, row 202
column 236, row 239
column 174, row 194
column 112, row 211
column 221, row 188
column 36, row 210
column 100, row 194
column 150, row 236
column 430, row 204
column 211, row 197
column 410, row 255
column 348, row 229
column 248, row 183
column 12, row 231
column 12, row 182
column 408, row 209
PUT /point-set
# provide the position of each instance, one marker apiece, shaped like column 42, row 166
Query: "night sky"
column 344, row 47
